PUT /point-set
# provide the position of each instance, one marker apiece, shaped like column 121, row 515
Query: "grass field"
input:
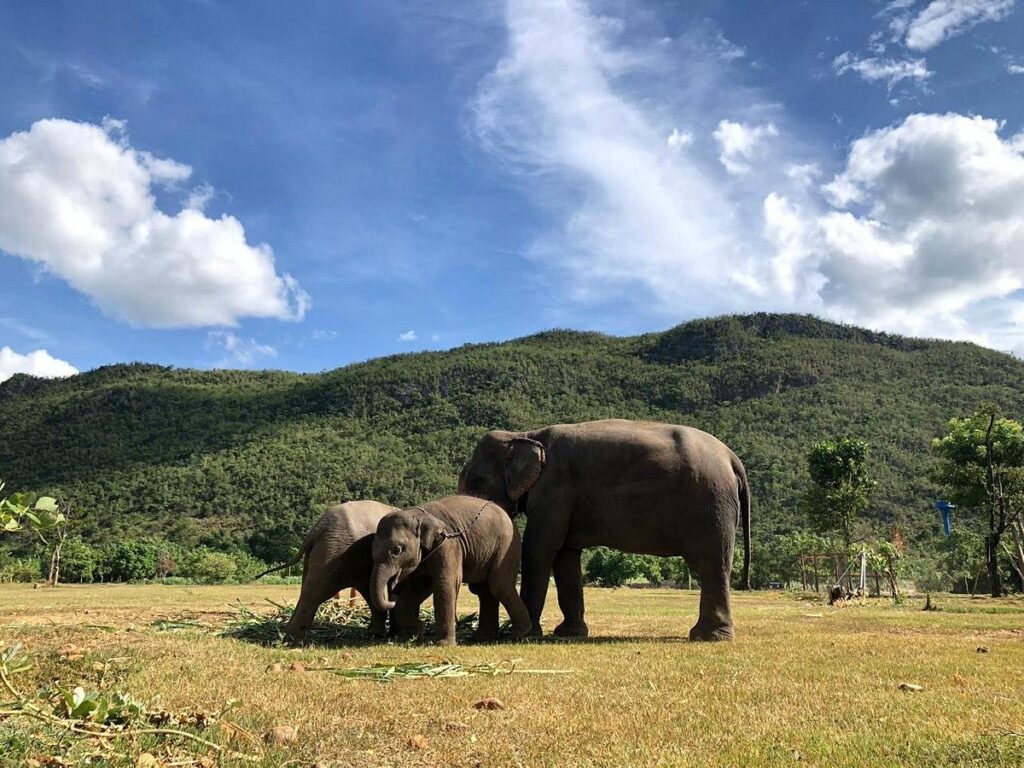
column 803, row 682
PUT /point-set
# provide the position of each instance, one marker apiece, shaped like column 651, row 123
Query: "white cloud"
column 928, row 230
column 803, row 174
column 200, row 197
column 78, row 200
column 407, row 336
column 1015, row 69
column 891, row 71
column 640, row 229
column 321, row 335
column 740, row 143
column 239, row 352
column 920, row 233
column 679, row 139
column 943, row 19
column 39, row 363
column 573, row 104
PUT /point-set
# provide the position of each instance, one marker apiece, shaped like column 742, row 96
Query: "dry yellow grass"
column 803, row 682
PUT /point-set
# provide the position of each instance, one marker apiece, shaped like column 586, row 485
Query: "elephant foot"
column 408, row 633
column 522, row 631
column 565, row 629
column 296, row 635
column 484, row 637
column 701, row 634
column 445, row 641
column 377, row 632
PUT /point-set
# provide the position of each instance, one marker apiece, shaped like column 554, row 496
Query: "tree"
column 78, row 560
column 130, row 560
column 43, row 517
column 210, row 567
column 839, row 485
column 981, row 469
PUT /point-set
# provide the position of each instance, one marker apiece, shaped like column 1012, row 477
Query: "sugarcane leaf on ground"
column 385, row 672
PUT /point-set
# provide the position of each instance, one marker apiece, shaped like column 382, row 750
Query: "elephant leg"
column 504, row 590
column 446, row 593
column 315, row 591
column 538, row 560
column 405, row 617
column 487, row 626
column 569, row 583
column 715, row 620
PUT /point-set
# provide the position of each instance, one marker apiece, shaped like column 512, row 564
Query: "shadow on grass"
column 608, row 640
column 336, row 625
column 339, row 625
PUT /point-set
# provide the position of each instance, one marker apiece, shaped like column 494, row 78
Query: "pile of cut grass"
column 336, row 623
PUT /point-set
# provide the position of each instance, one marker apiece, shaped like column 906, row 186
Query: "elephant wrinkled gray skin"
column 338, row 554
column 437, row 547
column 639, row 487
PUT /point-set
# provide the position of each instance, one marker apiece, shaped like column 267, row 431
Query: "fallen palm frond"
column 386, row 673
column 179, row 625
column 335, row 622
column 96, row 714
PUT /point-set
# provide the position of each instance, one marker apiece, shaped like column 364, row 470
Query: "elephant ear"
column 526, row 459
column 431, row 532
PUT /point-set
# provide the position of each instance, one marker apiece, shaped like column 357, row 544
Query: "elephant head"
column 503, row 468
column 403, row 539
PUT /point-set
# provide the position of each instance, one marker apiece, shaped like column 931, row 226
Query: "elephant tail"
column 303, row 550
column 744, row 489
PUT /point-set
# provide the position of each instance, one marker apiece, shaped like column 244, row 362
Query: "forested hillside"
column 234, row 458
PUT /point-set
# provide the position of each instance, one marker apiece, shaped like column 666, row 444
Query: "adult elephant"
column 640, row 487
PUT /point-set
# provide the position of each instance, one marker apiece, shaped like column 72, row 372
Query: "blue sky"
column 304, row 185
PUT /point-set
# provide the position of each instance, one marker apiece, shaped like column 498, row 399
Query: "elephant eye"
column 396, row 550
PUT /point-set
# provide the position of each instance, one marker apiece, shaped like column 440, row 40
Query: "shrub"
column 79, row 561
column 129, row 561
column 22, row 570
column 210, row 567
column 611, row 568
column 247, row 566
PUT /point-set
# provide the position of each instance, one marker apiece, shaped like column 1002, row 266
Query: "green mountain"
column 234, row 458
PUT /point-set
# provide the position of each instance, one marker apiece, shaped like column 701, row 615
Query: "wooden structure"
column 810, row 569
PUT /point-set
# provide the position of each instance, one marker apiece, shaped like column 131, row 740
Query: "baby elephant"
column 437, row 547
column 338, row 554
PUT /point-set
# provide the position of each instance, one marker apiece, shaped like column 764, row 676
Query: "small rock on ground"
column 281, row 734
column 489, row 703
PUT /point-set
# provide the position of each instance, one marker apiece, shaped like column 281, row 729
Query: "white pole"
column 863, row 572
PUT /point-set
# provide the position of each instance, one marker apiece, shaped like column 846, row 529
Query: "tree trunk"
column 1017, row 529
column 992, row 561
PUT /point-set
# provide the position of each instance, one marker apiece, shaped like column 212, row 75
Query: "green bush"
column 129, row 561
column 209, row 567
column 23, row 570
column 79, row 561
column 247, row 566
column 610, row 568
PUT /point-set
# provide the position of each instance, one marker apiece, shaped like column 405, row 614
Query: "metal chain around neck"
column 455, row 535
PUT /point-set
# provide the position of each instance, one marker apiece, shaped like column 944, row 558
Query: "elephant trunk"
column 379, row 589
